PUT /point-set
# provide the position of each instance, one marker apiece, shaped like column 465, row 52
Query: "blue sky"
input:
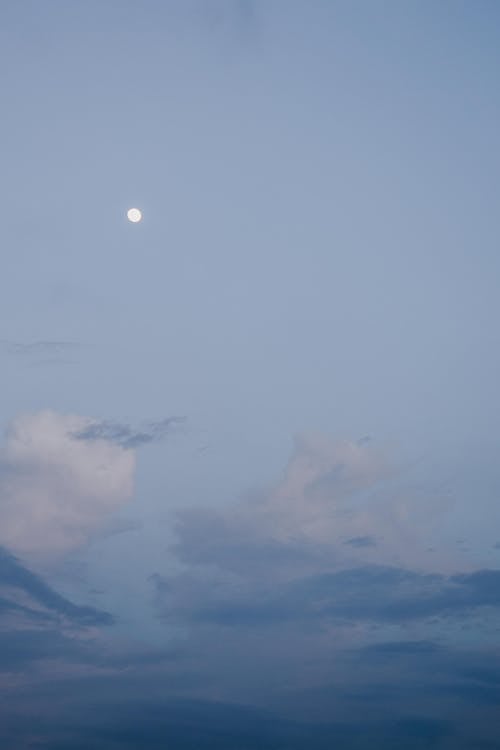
column 250, row 443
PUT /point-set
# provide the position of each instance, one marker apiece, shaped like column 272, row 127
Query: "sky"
column 249, row 445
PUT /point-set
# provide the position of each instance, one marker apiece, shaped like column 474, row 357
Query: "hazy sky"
column 250, row 451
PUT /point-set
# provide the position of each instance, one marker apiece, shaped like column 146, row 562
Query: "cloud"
column 279, row 600
column 336, row 505
column 333, row 509
column 400, row 648
column 37, row 348
column 40, row 352
column 367, row 594
column 125, row 435
column 329, row 559
column 24, row 591
column 39, row 626
column 300, row 519
column 361, row 541
column 119, row 526
column 55, row 490
column 205, row 725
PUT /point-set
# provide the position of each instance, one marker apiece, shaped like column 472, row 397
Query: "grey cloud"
column 401, row 648
column 379, row 593
column 442, row 664
column 206, row 537
column 394, row 594
column 126, row 436
column 21, row 647
column 387, row 678
column 39, row 626
column 361, row 541
column 428, row 730
column 489, row 675
column 481, row 585
column 134, row 706
column 37, row 348
column 275, row 559
column 187, row 724
column 49, row 362
column 293, row 581
column 328, row 493
column 15, row 577
column 41, row 353
column 292, row 526
column 371, row 593
column 119, row 526
column 475, row 693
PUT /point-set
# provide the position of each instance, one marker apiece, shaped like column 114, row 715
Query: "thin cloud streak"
column 127, row 436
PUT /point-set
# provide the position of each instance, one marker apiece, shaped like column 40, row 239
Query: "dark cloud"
column 206, row 537
column 127, row 436
column 368, row 593
column 401, row 648
column 185, row 725
column 413, row 694
column 17, row 578
column 475, row 693
column 120, row 526
column 363, row 440
column 19, row 648
column 361, row 541
column 387, row 679
column 480, row 586
column 297, row 585
column 428, row 731
column 396, row 594
column 487, row 674
column 270, row 612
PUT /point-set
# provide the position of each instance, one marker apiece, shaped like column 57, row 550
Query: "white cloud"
column 56, row 490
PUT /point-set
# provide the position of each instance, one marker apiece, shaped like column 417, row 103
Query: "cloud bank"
column 334, row 557
column 289, row 601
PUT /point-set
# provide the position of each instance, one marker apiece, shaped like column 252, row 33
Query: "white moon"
column 134, row 215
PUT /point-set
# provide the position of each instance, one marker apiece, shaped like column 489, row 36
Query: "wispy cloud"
column 361, row 541
column 37, row 353
column 17, row 348
column 127, row 436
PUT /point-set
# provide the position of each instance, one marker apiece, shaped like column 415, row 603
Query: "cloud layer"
column 281, row 585
column 288, row 600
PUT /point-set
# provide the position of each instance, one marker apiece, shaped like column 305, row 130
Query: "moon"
column 134, row 215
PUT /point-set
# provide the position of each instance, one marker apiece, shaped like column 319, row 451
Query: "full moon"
column 134, row 215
